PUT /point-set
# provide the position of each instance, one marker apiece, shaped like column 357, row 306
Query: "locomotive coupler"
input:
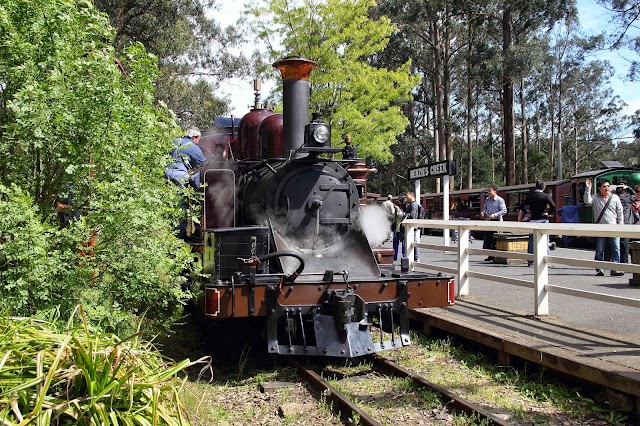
column 345, row 306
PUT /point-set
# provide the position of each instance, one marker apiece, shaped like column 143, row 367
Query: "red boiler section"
column 271, row 137
column 248, row 140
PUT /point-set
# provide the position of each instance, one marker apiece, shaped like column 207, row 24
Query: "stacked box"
column 514, row 243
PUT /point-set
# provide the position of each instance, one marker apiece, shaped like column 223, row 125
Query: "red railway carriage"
column 468, row 203
column 283, row 241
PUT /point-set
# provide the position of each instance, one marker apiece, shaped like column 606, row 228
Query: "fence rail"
column 541, row 231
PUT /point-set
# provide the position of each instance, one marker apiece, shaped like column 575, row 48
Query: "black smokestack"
column 295, row 72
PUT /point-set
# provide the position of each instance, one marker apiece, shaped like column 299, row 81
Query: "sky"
column 239, row 92
column 593, row 19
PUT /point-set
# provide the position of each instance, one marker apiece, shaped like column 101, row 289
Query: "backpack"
column 421, row 214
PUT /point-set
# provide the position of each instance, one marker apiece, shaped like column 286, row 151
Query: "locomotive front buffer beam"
column 341, row 325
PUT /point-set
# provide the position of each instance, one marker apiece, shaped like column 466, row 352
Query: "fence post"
column 463, row 260
column 409, row 238
column 540, row 272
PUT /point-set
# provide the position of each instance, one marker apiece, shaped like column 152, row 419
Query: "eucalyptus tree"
column 433, row 35
column 517, row 25
column 625, row 33
column 194, row 52
column 355, row 96
column 570, row 98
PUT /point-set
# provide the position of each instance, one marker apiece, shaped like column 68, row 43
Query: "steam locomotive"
column 282, row 238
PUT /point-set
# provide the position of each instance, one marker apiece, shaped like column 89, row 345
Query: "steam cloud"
column 374, row 224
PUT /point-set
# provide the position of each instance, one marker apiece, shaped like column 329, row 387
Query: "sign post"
column 442, row 169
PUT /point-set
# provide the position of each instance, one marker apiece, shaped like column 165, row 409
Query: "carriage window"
column 577, row 190
column 513, row 202
column 474, row 203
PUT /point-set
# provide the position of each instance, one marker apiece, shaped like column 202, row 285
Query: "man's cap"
column 193, row 132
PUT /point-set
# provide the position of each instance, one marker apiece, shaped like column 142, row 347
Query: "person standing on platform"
column 607, row 209
column 411, row 211
column 540, row 205
column 494, row 209
column 398, row 235
column 627, row 197
column 636, row 208
column 390, row 210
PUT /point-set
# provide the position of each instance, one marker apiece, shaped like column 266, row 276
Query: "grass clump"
column 83, row 376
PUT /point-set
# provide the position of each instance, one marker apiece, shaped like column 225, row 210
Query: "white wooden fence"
column 540, row 284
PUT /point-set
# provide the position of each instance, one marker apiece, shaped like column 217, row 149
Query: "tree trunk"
column 507, row 102
column 441, row 146
column 575, row 137
column 525, row 136
column 446, row 100
column 436, row 132
column 537, row 128
column 493, row 160
column 552, row 120
column 559, row 175
column 469, row 108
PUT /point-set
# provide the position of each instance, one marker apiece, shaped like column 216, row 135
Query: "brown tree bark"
column 469, row 108
column 507, row 102
column 525, row 136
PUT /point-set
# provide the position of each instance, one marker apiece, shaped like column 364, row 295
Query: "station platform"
column 594, row 356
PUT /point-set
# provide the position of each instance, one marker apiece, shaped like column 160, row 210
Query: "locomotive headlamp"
column 317, row 133
column 321, row 134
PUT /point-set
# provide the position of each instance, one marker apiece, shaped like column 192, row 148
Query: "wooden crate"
column 514, row 243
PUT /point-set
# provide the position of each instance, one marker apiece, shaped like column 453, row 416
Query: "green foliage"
column 623, row 34
column 193, row 103
column 188, row 41
column 34, row 268
column 76, row 120
column 356, row 97
column 50, row 375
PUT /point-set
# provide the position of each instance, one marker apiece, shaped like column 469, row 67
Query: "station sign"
column 433, row 170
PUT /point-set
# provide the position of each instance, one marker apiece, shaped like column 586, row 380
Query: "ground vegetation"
column 73, row 374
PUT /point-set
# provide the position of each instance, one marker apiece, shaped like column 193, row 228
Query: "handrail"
column 541, row 260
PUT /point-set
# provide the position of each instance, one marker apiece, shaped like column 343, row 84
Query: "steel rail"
column 340, row 401
column 451, row 399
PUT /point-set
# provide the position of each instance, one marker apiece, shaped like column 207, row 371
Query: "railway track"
column 349, row 409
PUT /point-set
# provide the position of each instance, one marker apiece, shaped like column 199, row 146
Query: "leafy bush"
column 83, row 377
column 35, row 269
column 77, row 122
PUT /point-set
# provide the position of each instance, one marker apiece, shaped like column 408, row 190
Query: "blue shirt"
column 495, row 206
column 186, row 155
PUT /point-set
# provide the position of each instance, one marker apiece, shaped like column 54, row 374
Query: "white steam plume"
column 374, row 223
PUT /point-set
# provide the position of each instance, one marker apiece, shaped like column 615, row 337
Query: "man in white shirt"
column 494, row 209
column 607, row 209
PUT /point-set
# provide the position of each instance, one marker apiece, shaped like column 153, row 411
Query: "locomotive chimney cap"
column 295, row 67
